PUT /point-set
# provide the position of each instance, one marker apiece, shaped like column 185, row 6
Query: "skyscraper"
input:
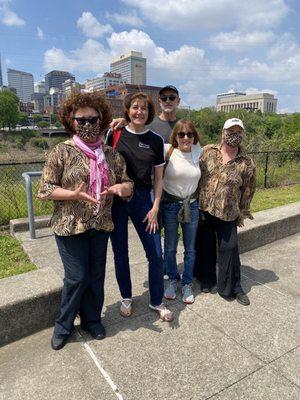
column 132, row 67
column 22, row 82
column 1, row 80
column 55, row 79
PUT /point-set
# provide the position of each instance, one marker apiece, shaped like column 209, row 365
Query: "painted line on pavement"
column 103, row 372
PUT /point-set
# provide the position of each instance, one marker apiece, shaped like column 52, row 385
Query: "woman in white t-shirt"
column 180, row 205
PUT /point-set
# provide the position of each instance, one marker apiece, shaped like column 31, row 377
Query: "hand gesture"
column 118, row 123
column 120, row 189
column 151, row 219
column 80, row 194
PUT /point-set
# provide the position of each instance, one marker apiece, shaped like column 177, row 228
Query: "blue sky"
column 204, row 47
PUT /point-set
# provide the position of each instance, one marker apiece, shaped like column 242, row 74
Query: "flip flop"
column 126, row 309
column 164, row 313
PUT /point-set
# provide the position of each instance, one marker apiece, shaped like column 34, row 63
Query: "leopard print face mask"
column 232, row 139
column 88, row 132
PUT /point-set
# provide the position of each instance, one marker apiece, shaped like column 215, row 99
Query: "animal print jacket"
column 226, row 190
column 66, row 166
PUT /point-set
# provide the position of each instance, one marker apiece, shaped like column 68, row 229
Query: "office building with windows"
column 132, row 67
column 102, row 82
column 22, row 82
column 265, row 102
column 55, row 79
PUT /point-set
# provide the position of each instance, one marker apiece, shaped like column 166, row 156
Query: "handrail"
column 27, row 176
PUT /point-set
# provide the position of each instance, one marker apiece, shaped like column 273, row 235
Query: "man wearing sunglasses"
column 164, row 123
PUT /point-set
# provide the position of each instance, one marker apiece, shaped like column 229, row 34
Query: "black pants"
column 211, row 231
column 84, row 258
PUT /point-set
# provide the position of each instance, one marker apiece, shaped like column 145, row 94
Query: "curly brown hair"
column 141, row 96
column 178, row 128
column 81, row 100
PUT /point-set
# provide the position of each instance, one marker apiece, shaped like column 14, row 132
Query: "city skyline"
column 202, row 48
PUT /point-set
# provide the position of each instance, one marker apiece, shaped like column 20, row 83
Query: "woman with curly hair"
column 81, row 175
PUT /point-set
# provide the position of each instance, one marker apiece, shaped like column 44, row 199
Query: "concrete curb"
column 30, row 302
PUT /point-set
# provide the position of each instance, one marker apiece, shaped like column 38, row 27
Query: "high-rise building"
column 1, row 80
column 39, row 87
column 265, row 102
column 102, row 82
column 115, row 95
column 55, row 79
column 69, row 87
column 22, row 82
column 132, row 67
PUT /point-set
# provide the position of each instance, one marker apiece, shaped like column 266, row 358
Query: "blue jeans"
column 136, row 209
column 84, row 259
column 189, row 230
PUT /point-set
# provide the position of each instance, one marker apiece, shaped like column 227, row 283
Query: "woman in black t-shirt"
column 143, row 151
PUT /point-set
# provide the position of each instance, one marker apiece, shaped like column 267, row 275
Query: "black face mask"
column 88, row 132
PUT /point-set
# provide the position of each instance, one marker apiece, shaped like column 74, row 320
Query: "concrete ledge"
column 268, row 226
column 30, row 302
column 22, row 224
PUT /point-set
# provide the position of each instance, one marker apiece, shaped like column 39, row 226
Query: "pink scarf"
column 99, row 170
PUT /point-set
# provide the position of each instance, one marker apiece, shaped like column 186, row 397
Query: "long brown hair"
column 183, row 123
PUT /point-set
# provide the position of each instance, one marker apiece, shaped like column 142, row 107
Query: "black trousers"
column 84, row 259
column 213, row 231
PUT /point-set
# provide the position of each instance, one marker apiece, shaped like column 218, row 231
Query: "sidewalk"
column 213, row 350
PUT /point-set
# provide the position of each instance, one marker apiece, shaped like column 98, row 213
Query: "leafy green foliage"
column 9, row 113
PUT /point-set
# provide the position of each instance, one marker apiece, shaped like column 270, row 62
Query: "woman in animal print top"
column 81, row 175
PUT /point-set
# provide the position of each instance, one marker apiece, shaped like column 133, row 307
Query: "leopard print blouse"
column 67, row 166
column 226, row 190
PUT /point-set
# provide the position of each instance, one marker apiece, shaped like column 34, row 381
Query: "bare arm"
column 151, row 217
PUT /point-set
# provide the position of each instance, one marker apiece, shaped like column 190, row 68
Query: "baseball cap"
column 233, row 121
column 169, row 87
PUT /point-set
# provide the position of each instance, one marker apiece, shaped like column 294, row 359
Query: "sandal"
column 126, row 308
column 164, row 314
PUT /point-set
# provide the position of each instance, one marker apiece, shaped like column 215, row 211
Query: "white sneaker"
column 187, row 294
column 170, row 292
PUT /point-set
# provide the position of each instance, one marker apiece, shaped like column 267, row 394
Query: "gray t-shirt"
column 163, row 128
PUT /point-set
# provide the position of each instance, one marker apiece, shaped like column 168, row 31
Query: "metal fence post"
column 27, row 176
column 266, row 170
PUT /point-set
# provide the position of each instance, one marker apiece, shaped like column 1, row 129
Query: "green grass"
column 274, row 197
column 13, row 260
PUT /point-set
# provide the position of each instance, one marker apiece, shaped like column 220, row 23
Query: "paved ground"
column 213, row 350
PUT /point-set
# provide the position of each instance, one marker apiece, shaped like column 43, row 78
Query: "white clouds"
column 8, row 17
column 91, row 57
column 131, row 19
column 91, row 27
column 241, row 41
column 255, row 90
column 199, row 14
column 40, row 33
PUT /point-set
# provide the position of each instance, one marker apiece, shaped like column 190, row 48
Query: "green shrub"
column 40, row 142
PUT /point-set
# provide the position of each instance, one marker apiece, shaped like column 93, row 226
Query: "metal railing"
column 27, row 176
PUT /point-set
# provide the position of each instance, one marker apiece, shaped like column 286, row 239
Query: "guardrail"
column 27, row 176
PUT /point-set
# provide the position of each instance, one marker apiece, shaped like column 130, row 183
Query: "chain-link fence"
column 274, row 168
column 13, row 195
column 277, row 168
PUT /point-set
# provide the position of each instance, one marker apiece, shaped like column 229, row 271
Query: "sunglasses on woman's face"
column 83, row 120
column 181, row 135
column 171, row 97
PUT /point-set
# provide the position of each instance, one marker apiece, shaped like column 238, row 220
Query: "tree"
column 43, row 124
column 9, row 113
